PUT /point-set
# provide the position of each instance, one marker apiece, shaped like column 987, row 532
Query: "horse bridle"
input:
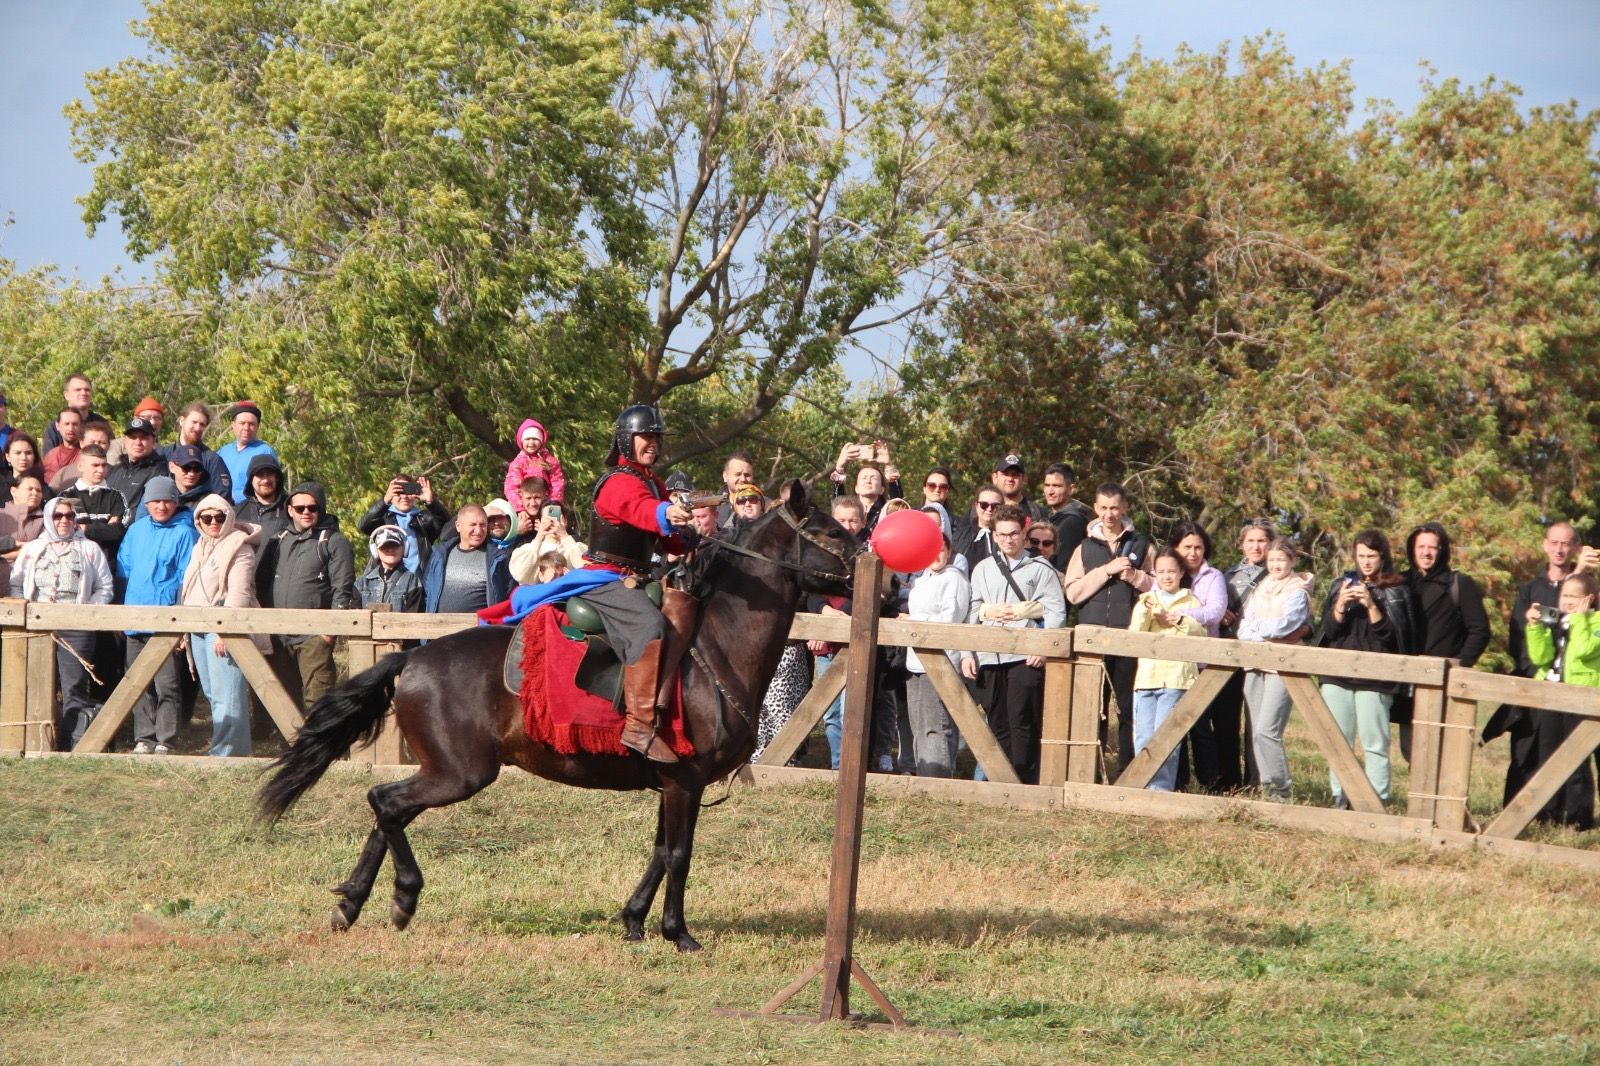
column 847, row 575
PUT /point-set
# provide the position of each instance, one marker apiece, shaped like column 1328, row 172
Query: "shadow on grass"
column 953, row 927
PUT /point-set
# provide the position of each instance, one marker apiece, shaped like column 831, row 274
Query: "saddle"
column 600, row 672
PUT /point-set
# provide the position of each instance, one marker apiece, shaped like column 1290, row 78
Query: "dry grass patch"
column 146, row 919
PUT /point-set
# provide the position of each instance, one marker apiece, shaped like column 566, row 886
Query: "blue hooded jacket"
column 152, row 558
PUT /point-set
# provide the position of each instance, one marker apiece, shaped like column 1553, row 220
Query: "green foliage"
column 1232, row 299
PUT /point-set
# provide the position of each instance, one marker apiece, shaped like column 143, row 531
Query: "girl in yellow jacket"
column 1159, row 684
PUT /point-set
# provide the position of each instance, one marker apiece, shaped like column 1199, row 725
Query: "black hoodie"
column 1451, row 620
column 272, row 517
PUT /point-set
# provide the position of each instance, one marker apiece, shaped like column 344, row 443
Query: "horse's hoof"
column 687, row 943
column 633, row 934
column 400, row 917
column 339, row 921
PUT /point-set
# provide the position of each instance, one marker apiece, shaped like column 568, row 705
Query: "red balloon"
column 907, row 541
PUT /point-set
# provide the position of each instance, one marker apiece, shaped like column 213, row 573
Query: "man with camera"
column 1104, row 579
column 1536, row 734
column 408, row 503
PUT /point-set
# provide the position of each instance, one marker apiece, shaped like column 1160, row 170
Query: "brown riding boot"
column 639, row 705
column 679, row 611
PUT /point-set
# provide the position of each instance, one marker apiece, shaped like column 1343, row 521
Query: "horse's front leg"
column 638, row 905
column 680, row 808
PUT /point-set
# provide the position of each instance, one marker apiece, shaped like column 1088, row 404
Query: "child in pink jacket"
column 535, row 458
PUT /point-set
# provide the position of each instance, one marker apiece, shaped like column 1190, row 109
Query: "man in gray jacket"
column 308, row 566
column 1017, row 591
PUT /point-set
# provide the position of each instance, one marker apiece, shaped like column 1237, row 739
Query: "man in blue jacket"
column 150, row 565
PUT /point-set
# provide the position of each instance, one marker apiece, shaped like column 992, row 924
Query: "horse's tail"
column 353, row 711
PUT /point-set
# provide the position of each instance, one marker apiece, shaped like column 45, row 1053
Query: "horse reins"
column 847, row 576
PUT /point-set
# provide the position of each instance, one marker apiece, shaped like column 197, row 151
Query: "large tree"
column 1247, row 304
column 431, row 219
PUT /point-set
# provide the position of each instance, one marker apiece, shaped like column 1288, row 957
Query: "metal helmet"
column 638, row 418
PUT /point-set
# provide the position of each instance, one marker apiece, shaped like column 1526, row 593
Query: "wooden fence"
column 1072, row 767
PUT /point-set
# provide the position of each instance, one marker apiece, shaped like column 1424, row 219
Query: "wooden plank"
column 13, row 612
column 968, row 716
column 362, row 656
column 1471, row 684
column 1523, row 850
column 1427, row 722
column 850, row 804
column 157, row 650
column 987, row 793
column 1387, row 828
column 1455, row 763
column 1525, row 805
column 14, row 692
column 808, row 713
column 1330, row 741
column 396, row 626
column 1083, row 741
column 1142, row 768
column 1292, row 658
column 1050, row 643
column 389, row 747
column 229, row 620
column 41, row 701
column 286, row 715
column 1057, row 727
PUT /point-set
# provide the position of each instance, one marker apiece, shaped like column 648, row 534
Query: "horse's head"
column 821, row 551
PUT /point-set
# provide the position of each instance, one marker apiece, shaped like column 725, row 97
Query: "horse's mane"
column 711, row 559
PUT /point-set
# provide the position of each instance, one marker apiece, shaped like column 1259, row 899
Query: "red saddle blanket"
column 562, row 716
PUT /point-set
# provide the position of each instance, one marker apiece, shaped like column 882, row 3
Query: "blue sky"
column 1550, row 48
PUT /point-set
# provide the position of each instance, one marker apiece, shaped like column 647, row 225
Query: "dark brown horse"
column 463, row 725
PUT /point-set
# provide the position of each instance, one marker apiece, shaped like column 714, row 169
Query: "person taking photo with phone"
column 409, row 503
column 1369, row 609
column 554, row 533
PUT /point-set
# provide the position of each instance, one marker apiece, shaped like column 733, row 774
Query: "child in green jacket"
column 1570, row 650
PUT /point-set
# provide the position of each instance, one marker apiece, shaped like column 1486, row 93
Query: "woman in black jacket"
column 1369, row 609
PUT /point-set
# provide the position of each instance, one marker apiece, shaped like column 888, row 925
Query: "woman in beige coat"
column 222, row 573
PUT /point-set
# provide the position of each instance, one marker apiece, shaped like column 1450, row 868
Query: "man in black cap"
column 1011, row 478
column 186, row 465
column 265, row 504
column 244, row 418
column 139, row 464
column 193, row 421
column 308, row 566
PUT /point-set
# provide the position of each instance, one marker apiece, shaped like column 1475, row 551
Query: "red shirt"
column 627, row 501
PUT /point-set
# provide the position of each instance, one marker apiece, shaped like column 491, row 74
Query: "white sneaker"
column 162, row 749
column 144, row 747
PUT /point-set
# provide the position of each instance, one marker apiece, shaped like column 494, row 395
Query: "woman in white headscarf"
column 64, row 566
column 222, row 573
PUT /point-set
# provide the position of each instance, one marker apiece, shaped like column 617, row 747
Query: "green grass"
column 143, row 918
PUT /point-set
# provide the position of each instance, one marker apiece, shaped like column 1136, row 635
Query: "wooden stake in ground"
column 838, row 965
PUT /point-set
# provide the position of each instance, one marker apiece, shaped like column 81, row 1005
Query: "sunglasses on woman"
column 210, row 518
column 64, row 516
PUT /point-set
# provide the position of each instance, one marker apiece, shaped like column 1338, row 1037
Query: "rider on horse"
column 633, row 518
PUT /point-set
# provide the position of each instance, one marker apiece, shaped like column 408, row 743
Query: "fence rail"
column 1071, row 762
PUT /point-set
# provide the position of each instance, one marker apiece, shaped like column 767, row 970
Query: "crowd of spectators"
column 94, row 514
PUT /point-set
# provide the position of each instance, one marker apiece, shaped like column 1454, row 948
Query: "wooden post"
column 1084, row 756
column 838, row 960
column 41, row 699
column 363, row 654
column 1427, row 722
column 13, row 675
column 389, row 747
column 1056, row 734
column 838, row 965
column 1455, row 763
